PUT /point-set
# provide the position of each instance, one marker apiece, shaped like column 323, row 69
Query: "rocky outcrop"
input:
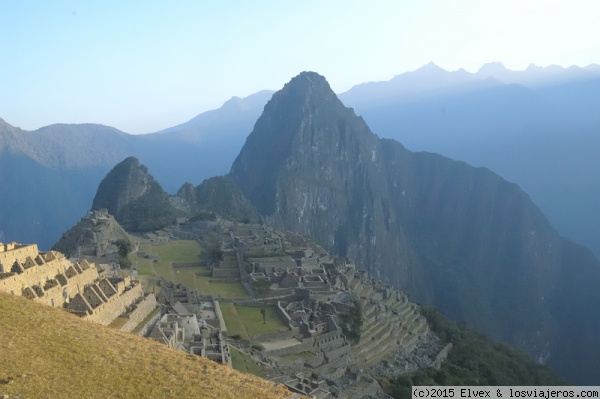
column 458, row 237
column 94, row 235
column 125, row 183
column 134, row 197
column 217, row 195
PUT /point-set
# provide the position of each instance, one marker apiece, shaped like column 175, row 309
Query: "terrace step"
column 376, row 340
column 368, row 308
column 383, row 348
column 367, row 335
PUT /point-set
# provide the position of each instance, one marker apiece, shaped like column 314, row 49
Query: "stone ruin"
column 312, row 292
column 94, row 235
column 52, row 279
column 191, row 324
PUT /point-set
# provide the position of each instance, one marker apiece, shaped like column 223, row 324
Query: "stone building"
column 186, row 327
column 52, row 279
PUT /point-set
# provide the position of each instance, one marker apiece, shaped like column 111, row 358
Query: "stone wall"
column 145, row 330
column 12, row 251
column 115, row 306
column 284, row 315
column 330, row 340
column 335, row 354
column 34, row 275
column 222, row 325
column 143, row 309
column 53, row 279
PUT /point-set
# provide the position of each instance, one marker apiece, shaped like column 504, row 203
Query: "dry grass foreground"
column 49, row 353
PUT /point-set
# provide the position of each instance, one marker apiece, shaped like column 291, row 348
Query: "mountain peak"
column 134, row 197
column 431, row 66
column 492, row 68
column 304, row 117
column 307, row 83
column 428, row 70
column 309, row 77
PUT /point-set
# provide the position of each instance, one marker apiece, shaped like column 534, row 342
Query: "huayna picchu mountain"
column 458, row 237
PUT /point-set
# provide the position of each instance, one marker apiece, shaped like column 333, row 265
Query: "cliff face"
column 134, row 197
column 125, row 183
column 458, row 237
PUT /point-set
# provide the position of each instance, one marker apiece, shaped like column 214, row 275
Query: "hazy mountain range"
column 537, row 128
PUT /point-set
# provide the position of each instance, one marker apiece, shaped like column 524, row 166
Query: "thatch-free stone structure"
column 52, row 279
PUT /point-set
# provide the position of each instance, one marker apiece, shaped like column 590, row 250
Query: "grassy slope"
column 247, row 322
column 47, row 352
column 196, row 278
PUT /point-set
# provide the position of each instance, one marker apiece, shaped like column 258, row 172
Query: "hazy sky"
column 142, row 66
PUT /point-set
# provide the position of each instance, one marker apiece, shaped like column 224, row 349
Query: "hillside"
column 65, row 162
column 49, row 353
column 537, row 128
column 457, row 237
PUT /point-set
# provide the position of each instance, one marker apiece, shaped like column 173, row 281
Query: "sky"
column 142, row 66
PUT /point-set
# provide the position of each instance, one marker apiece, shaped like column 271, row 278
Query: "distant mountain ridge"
column 49, row 177
column 541, row 137
column 432, row 77
column 538, row 128
column 458, row 237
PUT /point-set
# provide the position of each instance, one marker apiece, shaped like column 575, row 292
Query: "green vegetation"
column 474, row 360
column 179, row 251
column 263, row 288
column 252, row 319
column 141, row 325
column 242, row 362
column 124, row 250
column 227, row 290
column 194, row 275
column 118, row 322
column 235, row 326
column 246, row 321
column 353, row 320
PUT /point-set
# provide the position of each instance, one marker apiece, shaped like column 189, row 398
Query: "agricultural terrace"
column 180, row 261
